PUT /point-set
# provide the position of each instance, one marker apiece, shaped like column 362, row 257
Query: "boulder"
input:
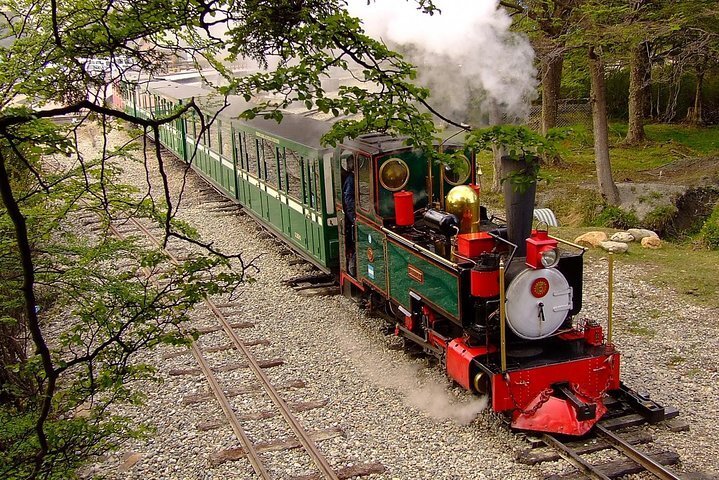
column 624, row 237
column 614, row 247
column 640, row 233
column 591, row 239
column 651, row 242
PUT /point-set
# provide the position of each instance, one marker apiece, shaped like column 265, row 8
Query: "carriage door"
column 340, row 166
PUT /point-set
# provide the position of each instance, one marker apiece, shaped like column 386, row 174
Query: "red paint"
column 536, row 244
column 434, row 338
column 459, row 358
column 517, row 389
column 484, row 283
column 557, row 415
column 404, row 208
column 409, row 322
column 539, row 287
column 474, row 244
column 572, row 334
column 594, row 335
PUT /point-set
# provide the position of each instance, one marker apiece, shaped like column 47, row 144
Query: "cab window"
column 364, row 177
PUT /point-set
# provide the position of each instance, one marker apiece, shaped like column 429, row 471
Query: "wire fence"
column 571, row 111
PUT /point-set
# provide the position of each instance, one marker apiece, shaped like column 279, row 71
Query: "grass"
column 676, row 360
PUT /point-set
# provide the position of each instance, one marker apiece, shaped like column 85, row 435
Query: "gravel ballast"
column 393, row 408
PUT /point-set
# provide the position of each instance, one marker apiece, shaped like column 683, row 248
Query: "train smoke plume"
column 466, row 55
column 430, row 396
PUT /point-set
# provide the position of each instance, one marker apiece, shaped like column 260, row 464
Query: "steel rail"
column 649, row 464
column 571, row 456
column 317, row 457
column 247, row 445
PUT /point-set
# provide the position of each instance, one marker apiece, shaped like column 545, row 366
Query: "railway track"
column 252, row 451
column 616, row 446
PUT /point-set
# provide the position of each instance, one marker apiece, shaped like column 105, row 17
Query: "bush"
column 709, row 234
column 661, row 219
column 615, row 217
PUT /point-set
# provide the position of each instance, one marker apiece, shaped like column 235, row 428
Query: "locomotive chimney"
column 518, row 203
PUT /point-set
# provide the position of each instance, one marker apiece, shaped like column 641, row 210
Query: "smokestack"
column 519, row 205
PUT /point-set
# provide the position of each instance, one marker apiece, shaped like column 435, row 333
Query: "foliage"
column 709, row 234
column 661, row 218
column 109, row 310
column 615, row 217
column 57, row 395
column 520, row 144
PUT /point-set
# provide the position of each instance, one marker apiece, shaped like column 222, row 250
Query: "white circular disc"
column 538, row 302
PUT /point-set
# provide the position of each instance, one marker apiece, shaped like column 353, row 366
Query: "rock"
column 591, row 239
column 615, row 247
column 624, row 237
column 640, row 233
column 129, row 460
column 651, row 242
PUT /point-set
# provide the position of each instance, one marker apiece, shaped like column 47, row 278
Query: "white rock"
column 639, row 233
column 624, row 237
column 614, row 247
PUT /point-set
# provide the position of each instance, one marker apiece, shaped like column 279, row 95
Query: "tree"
column 112, row 312
column 598, row 99
column 549, row 22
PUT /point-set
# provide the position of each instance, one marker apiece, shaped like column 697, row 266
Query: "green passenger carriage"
column 279, row 172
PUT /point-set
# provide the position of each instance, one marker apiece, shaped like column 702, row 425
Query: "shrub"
column 615, row 217
column 709, row 234
column 661, row 219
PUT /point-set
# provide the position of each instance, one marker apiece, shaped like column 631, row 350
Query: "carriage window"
column 269, row 154
column 293, row 165
column 307, row 181
column 458, row 172
column 364, row 177
column 239, row 150
column 226, row 140
column 208, row 132
column 318, row 188
column 280, row 152
column 251, row 144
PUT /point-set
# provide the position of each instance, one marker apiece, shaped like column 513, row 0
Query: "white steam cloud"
column 429, row 396
column 466, row 55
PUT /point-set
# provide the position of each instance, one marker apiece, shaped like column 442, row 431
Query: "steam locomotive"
column 496, row 302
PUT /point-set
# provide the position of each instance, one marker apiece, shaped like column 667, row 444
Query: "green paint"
column 439, row 286
column 371, row 263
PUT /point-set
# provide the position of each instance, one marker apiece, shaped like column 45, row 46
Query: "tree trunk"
column 551, row 83
column 598, row 99
column 639, row 68
column 495, row 118
column 694, row 115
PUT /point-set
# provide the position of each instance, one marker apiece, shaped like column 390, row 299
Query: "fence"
column 570, row 112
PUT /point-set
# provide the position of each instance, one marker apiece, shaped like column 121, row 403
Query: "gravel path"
column 395, row 409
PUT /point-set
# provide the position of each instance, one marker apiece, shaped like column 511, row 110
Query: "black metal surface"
column 571, row 265
column 443, row 222
column 585, row 411
column 640, row 402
